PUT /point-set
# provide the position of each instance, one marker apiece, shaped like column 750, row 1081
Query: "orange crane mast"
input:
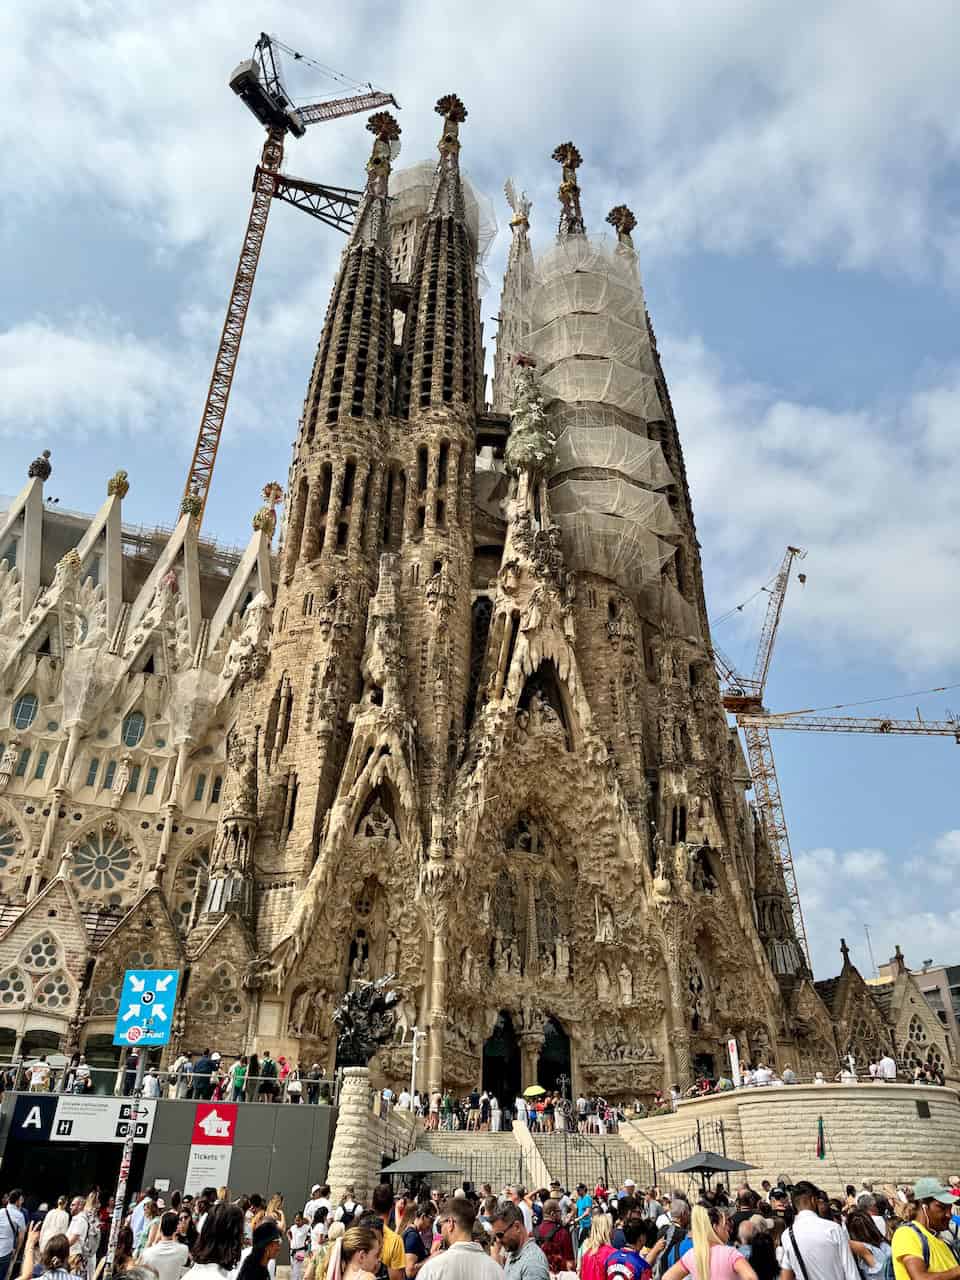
column 257, row 82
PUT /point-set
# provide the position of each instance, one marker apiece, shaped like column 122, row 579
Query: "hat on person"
column 315, row 1187
column 629, row 1182
column 266, row 1233
column 214, row 1057
column 932, row 1189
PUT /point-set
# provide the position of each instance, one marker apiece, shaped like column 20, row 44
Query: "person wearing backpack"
column 675, row 1236
column 873, row 1254
column 918, row 1250
column 269, row 1082
column 554, row 1239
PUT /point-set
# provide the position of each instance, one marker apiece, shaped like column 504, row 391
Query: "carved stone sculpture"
column 605, row 928
column 365, row 1019
column 8, row 762
column 604, row 986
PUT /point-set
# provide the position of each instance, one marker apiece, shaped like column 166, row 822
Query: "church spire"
column 571, row 218
column 351, row 375
column 441, row 340
column 624, row 221
column 517, row 280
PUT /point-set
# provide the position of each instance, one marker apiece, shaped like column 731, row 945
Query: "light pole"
column 416, row 1036
column 565, row 1113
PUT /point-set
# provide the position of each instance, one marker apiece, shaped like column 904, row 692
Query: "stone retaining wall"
column 873, row 1131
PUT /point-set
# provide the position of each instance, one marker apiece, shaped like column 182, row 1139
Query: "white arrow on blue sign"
column 147, row 998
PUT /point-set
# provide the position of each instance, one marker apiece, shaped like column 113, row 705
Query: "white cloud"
column 893, row 896
column 868, row 493
column 729, row 123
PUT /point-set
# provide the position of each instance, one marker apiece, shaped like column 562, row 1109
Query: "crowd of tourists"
column 779, row 1232
column 481, row 1111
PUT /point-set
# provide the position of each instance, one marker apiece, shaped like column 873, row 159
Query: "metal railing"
column 19, row 1076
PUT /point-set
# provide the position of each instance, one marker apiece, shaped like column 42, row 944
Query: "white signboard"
column 80, row 1119
column 207, row 1167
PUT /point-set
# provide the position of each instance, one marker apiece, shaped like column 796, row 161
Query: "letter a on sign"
column 33, row 1119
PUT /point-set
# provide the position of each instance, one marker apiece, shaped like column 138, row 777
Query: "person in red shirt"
column 554, row 1239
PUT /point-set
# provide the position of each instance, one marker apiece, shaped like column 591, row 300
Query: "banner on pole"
column 734, row 1052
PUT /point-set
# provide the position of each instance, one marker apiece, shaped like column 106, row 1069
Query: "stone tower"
column 464, row 728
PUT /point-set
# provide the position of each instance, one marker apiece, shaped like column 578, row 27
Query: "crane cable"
column 865, row 702
column 739, row 608
column 339, row 76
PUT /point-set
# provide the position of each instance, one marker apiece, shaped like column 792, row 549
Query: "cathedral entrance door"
column 554, row 1060
column 501, row 1061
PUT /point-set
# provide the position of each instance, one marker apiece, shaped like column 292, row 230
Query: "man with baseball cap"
column 918, row 1251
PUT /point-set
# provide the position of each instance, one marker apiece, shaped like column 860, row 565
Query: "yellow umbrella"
column 534, row 1091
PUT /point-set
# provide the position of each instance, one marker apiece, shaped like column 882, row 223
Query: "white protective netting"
column 589, row 335
column 604, row 382
column 614, row 548
column 612, row 496
column 596, row 443
column 597, row 372
column 410, row 194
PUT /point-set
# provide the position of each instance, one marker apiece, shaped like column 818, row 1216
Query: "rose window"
column 103, row 860
column 53, row 992
column 41, row 953
column 106, row 999
column 207, row 1004
column 13, row 989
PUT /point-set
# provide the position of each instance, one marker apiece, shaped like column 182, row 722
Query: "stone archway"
column 554, row 1059
column 501, row 1060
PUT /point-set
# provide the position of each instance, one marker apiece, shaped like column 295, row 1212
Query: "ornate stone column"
column 350, row 1156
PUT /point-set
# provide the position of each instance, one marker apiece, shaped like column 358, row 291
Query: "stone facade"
column 464, row 727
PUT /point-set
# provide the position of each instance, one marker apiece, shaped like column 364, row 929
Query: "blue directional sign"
column 147, row 999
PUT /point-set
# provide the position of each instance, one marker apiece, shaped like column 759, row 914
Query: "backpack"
column 268, row 1069
column 675, row 1237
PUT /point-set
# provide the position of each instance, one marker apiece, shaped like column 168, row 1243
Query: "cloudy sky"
column 794, row 176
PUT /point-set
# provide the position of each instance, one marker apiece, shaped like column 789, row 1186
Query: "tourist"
column 181, row 1076
column 521, row 1257
column 790, row 1076
column 320, row 1229
column 55, row 1223
column 392, row 1252
column 238, row 1079
column 763, row 1254
column 203, row 1070
column 918, row 1250
column 815, row 1248
column 13, row 1230
column 38, row 1075
column 269, row 1079
column 887, row 1069
column 84, row 1231
column 710, row 1257
column 420, row 1217
column 169, row 1257
column 473, row 1113
column 187, row 1232
column 151, row 1084
column 298, row 1237
column 495, row 1115
column 355, row 1256
column 463, row 1257
column 54, row 1258
column 819, row 1078
column 596, row 1248
column 217, row 1251
column 267, row 1238
column 675, row 1234
column 868, row 1244
column 319, row 1199
column 554, row 1239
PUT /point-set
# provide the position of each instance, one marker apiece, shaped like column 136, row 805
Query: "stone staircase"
column 575, row 1157
column 482, row 1157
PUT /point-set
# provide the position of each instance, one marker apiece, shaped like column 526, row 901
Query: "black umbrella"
column 707, row 1162
column 420, row 1162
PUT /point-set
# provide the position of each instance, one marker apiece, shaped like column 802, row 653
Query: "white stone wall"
column 872, row 1132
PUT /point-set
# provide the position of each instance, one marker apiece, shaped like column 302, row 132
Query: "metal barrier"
column 119, row 1081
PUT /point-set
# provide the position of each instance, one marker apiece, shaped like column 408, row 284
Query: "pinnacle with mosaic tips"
column 451, row 107
column 567, row 155
column 622, row 218
column 385, row 126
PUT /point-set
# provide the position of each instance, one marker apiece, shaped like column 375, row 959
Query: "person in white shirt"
column 55, row 1223
column 887, row 1069
column 151, row 1088
column 298, row 1236
column 38, row 1073
column 168, row 1257
column 319, row 1199
column 815, row 1248
column 462, row 1259
column 763, row 1075
column 516, row 1195
column 404, row 1101
column 13, row 1228
column 494, row 1113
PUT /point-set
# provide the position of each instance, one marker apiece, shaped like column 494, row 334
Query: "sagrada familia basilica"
column 461, row 725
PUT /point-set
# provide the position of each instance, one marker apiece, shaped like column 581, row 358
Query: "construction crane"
column 257, row 82
column 743, row 696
